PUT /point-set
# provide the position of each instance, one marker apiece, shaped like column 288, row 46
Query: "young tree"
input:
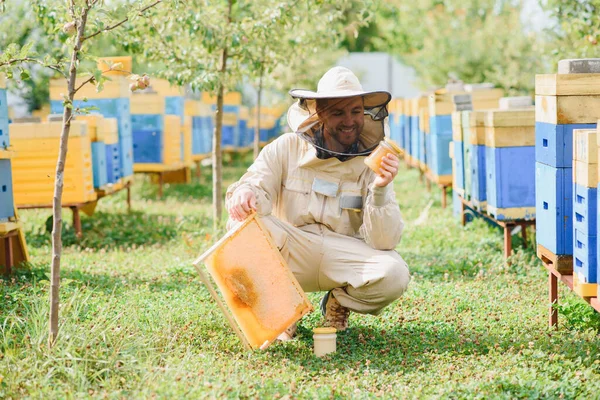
column 306, row 35
column 81, row 21
column 472, row 40
column 205, row 45
column 576, row 29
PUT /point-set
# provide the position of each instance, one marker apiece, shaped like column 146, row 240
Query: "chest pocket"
column 351, row 206
column 295, row 198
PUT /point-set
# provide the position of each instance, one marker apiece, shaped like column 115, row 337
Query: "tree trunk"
column 217, row 158
column 216, row 154
column 257, row 120
column 58, row 188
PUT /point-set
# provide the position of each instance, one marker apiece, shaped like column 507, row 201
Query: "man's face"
column 343, row 119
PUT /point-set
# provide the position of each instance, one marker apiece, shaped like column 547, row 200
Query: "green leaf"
column 25, row 75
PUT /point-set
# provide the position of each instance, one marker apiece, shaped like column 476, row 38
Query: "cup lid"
column 394, row 145
column 324, row 330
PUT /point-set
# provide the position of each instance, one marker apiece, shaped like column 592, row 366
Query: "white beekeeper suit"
column 336, row 230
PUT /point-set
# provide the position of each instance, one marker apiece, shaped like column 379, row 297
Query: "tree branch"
column 91, row 78
column 110, row 28
column 32, row 60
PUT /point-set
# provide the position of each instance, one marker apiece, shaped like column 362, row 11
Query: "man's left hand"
column 388, row 170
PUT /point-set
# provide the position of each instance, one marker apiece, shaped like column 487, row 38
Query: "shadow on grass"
column 414, row 346
column 110, row 230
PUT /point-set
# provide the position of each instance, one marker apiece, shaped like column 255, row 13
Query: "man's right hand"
column 241, row 204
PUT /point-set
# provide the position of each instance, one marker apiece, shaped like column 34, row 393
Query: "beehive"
column 510, row 165
column 257, row 286
column 477, row 161
column 115, row 65
column 563, row 103
column 245, row 137
column 95, row 123
column 585, row 205
column 458, row 171
column 112, row 102
column 425, row 139
column 34, row 166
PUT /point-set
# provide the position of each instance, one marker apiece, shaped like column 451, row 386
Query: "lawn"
column 136, row 322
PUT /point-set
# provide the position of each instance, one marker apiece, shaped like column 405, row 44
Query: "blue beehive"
column 585, row 203
column 477, row 164
column 6, row 191
column 174, row 105
column 585, row 254
column 148, row 138
column 510, row 164
column 554, row 208
column 4, row 141
column 118, row 108
column 99, row 164
column 554, row 143
column 458, row 173
column 562, row 104
column 113, row 163
column 440, row 132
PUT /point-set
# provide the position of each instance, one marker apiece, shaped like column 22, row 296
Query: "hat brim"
column 372, row 99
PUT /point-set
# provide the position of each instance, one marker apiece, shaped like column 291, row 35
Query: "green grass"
column 137, row 323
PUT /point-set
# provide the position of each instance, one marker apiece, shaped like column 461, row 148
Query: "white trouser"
column 363, row 279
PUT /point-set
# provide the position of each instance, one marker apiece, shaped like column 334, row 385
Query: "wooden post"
column 160, row 185
column 8, row 255
column 553, row 297
column 507, row 240
column 463, row 215
column 444, row 195
column 77, row 221
column 129, row 197
column 198, row 170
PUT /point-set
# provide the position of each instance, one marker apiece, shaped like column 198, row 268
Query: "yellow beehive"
column 164, row 88
column 34, row 166
column 262, row 295
column 585, row 158
column 93, row 122
column 191, row 108
column 172, row 141
column 187, row 141
column 108, row 131
column 117, row 87
column 147, row 103
column 231, row 98
column 105, row 63
column 477, row 127
column 510, row 128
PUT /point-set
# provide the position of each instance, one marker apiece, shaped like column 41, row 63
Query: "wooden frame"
column 220, row 303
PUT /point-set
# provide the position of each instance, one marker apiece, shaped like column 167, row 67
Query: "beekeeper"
column 334, row 220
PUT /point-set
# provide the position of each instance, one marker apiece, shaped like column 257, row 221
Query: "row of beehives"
column 155, row 130
column 422, row 126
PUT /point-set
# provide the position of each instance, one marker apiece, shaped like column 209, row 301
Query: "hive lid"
column 259, row 295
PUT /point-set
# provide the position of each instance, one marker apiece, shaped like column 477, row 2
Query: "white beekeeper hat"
column 340, row 83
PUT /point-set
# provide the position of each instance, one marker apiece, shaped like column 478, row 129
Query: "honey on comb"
column 241, row 286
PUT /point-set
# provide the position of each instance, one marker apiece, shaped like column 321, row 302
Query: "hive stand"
column 13, row 249
column 507, row 226
column 559, row 268
column 90, row 206
column 443, row 184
